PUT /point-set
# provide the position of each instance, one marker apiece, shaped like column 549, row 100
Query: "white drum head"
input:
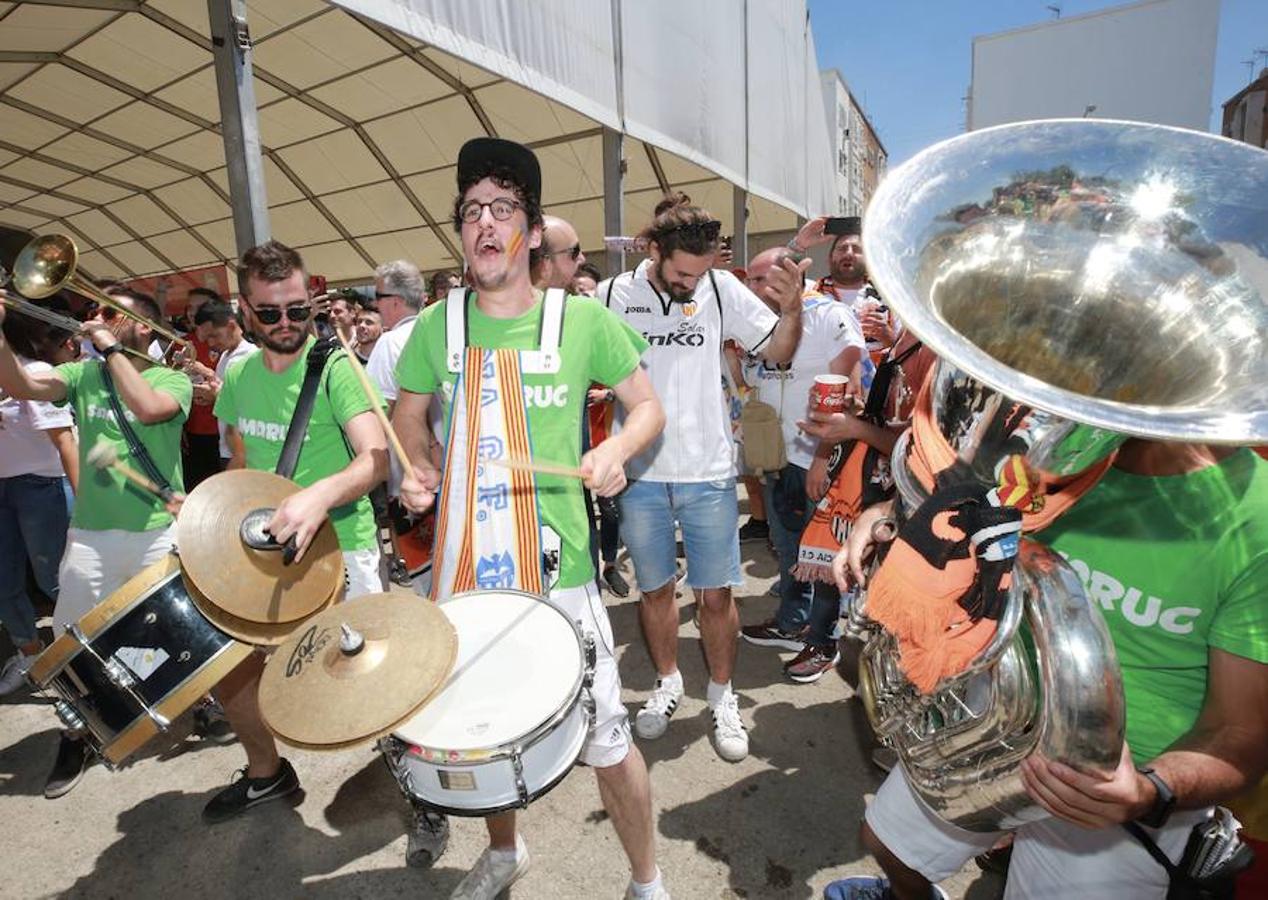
column 518, row 663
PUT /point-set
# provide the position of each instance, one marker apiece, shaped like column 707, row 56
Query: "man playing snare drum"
column 525, row 367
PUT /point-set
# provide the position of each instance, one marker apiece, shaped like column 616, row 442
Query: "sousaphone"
column 1112, row 278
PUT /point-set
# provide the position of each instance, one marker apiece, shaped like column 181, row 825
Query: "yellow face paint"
column 515, row 244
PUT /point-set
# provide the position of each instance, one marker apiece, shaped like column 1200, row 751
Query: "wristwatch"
column 1164, row 800
column 112, row 350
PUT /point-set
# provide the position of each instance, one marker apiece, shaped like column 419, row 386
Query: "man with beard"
column 527, row 367
column 344, row 456
column 116, row 529
column 686, row 310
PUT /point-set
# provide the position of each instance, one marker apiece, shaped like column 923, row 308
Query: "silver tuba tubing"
column 1106, row 279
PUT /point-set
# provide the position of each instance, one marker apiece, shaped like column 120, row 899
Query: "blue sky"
column 907, row 61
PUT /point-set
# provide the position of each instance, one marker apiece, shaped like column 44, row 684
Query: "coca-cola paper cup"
column 827, row 395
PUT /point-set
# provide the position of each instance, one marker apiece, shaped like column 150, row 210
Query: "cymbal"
column 357, row 671
column 258, row 634
column 252, row 584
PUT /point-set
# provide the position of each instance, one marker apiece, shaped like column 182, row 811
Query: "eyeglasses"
column 708, row 230
column 573, row 252
column 271, row 315
column 502, row 209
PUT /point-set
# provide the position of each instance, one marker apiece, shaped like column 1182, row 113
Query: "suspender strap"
column 544, row 360
column 295, row 431
column 136, row 449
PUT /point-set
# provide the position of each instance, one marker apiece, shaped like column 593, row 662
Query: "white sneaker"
column 652, row 720
column 659, row 894
column 729, row 737
column 492, row 875
column 13, row 674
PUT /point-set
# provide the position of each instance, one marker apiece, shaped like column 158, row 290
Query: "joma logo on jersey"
column 1136, row 608
column 638, row 309
column 677, row 339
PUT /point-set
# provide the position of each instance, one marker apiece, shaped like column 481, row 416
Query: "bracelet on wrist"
column 111, row 350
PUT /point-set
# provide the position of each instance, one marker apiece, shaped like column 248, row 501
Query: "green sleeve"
column 616, row 346
column 347, row 399
column 226, row 408
column 177, row 386
column 72, row 373
column 414, row 370
column 1241, row 621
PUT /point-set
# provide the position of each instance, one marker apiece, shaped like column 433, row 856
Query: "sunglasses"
column 573, row 252
column 271, row 315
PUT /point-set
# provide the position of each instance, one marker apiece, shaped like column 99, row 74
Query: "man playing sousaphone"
column 517, row 368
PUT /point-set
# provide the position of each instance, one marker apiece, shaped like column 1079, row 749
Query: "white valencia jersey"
column 685, row 364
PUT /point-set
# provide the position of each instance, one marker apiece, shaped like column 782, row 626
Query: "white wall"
column 1149, row 62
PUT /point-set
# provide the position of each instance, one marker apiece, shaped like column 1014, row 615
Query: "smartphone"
column 841, row 225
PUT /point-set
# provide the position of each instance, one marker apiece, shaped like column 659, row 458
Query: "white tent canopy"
column 112, row 119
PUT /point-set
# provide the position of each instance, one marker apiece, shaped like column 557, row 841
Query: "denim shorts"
column 708, row 514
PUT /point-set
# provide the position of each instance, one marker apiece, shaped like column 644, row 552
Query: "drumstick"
column 530, row 465
column 104, row 456
column 372, row 396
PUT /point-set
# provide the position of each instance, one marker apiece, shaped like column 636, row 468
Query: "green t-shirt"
column 259, row 404
column 106, row 500
column 1177, row 564
column 596, row 346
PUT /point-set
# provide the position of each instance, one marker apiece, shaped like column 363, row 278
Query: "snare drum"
column 136, row 661
column 513, row 716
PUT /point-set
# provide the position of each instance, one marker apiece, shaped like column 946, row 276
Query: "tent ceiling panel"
column 586, row 216
column 95, row 190
column 56, row 206
column 220, row 235
column 436, row 191
column 373, row 209
column 191, row 15
column 336, row 260
column 268, row 16
column 203, row 150
column 291, row 121
column 766, row 216
column 96, row 265
column 84, row 151
column 427, row 137
column 639, row 173
column 277, row 184
column 136, row 257
column 68, row 93
column 143, row 215
column 414, row 245
column 139, row 52
column 571, row 170
column 7, row 157
column 12, row 72
column 320, row 50
column 466, row 74
column 37, row 173
column 181, row 248
column 144, row 125
column 336, row 161
column 145, row 173
column 519, row 115
column 48, row 29
column 95, row 226
column 301, row 223
column 12, row 193
column 16, row 217
column 193, row 201
column 197, row 94
column 382, row 90
column 27, row 130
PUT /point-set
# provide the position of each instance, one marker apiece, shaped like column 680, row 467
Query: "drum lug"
column 517, row 764
column 591, row 707
column 592, row 657
column 69, row 715
column 119, row 674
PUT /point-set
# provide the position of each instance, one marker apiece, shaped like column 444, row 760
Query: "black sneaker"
column 210, row 724
column 754, row 530
column 616, row 584
column 769, row 634
column 428, row 837
column 73, row 757
column 246, row 792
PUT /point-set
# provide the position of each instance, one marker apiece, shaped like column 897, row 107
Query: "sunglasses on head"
column 573, row 252
column 271, row 315
column 708, row 230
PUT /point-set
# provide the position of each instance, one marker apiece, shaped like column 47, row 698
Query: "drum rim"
column 506, row 749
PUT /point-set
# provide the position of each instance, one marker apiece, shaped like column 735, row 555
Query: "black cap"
column 479, row 154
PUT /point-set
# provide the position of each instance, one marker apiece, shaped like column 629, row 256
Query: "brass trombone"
column 47, row 265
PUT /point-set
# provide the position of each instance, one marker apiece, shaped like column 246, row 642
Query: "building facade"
column 858, row 155
column 1246, row 114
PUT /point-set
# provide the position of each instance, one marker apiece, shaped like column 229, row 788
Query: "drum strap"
column 135, row 448
column 317, row 357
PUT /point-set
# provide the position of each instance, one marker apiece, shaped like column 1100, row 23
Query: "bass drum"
column 136, row 661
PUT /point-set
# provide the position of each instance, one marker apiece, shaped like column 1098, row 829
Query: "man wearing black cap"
column 533, row 398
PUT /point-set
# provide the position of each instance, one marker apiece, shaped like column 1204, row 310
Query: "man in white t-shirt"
column 831, row 343
column 400, row 291
column 686, row 309
column 226, row 338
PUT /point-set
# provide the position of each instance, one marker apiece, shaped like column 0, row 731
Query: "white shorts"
column 609, row 740
column 97, row 563
column 1051, row 858
column 361, row 573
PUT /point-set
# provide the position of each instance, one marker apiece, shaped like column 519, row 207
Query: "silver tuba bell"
column 1111, row 278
